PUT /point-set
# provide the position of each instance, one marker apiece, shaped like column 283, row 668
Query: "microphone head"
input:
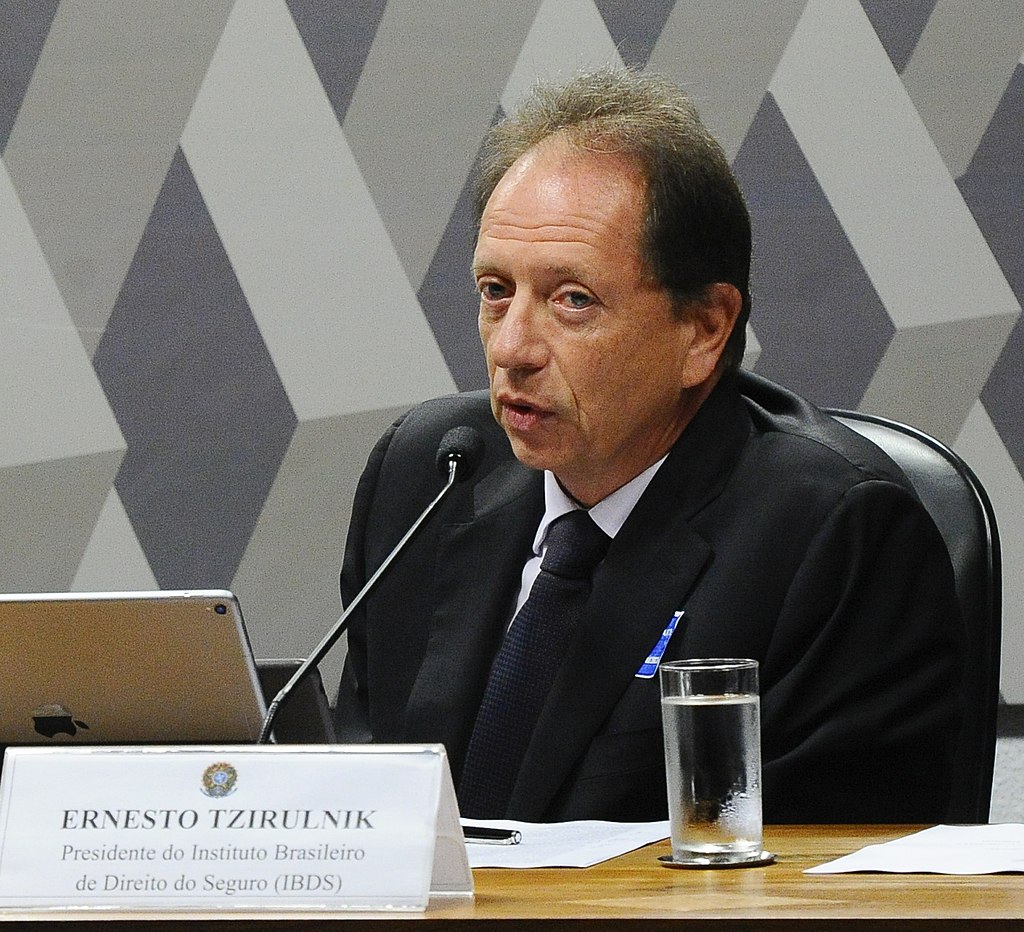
column 465, row 447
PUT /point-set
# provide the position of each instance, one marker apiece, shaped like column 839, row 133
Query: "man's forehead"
column 558, row 154
column 552, row 199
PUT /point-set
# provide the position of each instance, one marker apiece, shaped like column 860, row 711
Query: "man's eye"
column 578, row 299
column 491, row 291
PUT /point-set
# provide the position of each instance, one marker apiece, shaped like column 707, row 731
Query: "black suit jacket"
column 782, row 535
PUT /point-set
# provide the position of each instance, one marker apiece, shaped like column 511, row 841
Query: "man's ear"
column 711, row 318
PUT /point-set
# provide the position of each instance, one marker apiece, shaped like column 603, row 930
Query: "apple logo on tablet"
column 53, row 719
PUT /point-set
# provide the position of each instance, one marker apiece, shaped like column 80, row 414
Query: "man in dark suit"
column 612, row 264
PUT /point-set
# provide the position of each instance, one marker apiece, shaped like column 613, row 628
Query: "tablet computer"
column 168, row 667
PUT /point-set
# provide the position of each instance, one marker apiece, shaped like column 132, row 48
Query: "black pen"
column 479, row 835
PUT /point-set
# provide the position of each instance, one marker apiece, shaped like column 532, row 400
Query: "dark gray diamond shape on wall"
column 635, row 27
column 196, row 394
column 820, row 322
column 447, row 296
column 899, row 26
column 1003, row 395
column 338, row 37
column 993, row 188
column 24, row 26
column 993, row 185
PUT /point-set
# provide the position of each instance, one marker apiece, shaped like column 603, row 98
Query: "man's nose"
column 516, row 339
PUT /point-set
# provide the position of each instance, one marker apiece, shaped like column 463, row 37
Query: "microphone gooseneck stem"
column 341, row 624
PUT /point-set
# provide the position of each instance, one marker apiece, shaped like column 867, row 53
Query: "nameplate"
column 335, row 827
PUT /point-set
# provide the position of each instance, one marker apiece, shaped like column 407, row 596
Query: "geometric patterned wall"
column 235, row 236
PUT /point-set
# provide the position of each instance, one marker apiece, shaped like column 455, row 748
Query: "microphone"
column 461, row 448
column 458, row 455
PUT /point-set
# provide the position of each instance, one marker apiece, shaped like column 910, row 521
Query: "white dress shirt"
column 609, row 515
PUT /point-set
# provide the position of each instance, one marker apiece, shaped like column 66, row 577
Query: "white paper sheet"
column 563, row 844
column 944, row 849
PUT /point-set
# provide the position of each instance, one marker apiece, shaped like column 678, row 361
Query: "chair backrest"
column 961, row 509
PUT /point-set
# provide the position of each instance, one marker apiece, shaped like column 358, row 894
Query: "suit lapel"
column 479, row 565
column 634, row 595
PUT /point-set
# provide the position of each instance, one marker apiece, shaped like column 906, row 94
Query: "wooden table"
column 634, row 892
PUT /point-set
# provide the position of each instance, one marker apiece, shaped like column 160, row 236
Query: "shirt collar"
column 609, row 514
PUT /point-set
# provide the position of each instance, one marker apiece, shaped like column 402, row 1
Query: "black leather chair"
column 961, row 509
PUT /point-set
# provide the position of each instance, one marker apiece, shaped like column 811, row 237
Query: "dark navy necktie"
column 526, row 664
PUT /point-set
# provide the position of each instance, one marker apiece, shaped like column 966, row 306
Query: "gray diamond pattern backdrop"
column 235, row 235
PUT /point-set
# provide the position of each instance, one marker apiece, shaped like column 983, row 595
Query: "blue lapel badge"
column 650, row 666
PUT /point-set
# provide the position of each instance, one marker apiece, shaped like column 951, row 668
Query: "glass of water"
column 711, row 716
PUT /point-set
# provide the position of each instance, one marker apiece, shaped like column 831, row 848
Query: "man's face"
column 591, row 371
